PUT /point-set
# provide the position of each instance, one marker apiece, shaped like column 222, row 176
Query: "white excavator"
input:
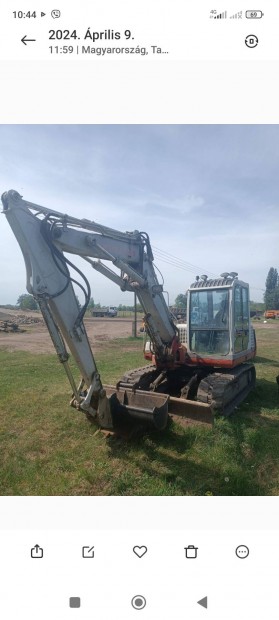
column 197, row 369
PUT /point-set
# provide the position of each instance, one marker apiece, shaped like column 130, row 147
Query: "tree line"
column 271, row 298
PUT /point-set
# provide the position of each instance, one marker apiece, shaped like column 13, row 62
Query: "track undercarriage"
column 189, row 395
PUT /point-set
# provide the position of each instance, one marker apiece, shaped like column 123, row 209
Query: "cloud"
column 178, row 209
column 209, row 194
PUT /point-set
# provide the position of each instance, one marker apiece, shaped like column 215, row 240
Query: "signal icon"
column 236, row 15
column 221, row 15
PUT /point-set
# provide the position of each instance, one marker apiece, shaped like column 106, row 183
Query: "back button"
column 203, row 602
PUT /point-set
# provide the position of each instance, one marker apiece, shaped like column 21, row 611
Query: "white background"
column 171, row 584
column 209, row 76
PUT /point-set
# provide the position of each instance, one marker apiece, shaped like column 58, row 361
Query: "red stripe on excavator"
column 202, row 361
column 225, row 363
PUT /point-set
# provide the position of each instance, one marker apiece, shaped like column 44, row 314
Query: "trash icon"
column 191, row 552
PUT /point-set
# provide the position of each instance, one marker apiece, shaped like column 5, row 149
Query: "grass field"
column 48, row 448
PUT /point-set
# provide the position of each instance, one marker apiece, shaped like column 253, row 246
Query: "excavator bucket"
column 128, row 405
column 153, row 410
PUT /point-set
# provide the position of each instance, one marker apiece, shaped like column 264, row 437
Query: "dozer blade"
column 148, row 408
column 187, row 412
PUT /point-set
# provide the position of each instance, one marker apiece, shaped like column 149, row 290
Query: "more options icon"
column 242, row 552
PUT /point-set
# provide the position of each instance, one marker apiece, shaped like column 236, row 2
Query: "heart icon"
column 140, row 551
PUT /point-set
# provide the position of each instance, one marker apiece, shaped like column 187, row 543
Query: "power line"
column 178, row 262
column 173, row 264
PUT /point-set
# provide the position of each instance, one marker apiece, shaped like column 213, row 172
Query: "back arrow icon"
column 203, row 602
column 24, row 40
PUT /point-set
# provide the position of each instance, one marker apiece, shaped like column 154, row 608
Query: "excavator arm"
column 44, row 235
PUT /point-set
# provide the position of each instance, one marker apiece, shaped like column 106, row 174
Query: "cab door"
column 241, row 318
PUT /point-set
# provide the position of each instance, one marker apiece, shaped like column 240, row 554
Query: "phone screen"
column 139, row 307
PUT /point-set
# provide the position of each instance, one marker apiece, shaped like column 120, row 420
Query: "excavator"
column 196, row 369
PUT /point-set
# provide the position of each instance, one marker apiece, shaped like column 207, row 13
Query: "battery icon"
column 254, row 14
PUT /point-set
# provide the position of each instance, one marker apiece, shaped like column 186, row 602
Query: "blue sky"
column 206, row 194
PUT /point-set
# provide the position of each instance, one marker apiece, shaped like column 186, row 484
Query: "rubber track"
column 224, row 391
column 133, row 378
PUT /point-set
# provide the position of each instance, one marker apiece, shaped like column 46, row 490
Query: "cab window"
column 241, row 318
column 209, row 322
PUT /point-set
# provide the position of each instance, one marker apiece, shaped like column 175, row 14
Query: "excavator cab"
column 218, row 325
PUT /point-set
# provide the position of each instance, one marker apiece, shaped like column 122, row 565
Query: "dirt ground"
column 36, row 338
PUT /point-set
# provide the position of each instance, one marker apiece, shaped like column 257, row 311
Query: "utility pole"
column 134, row 324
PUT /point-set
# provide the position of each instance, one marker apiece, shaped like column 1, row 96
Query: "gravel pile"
column 14, row 326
